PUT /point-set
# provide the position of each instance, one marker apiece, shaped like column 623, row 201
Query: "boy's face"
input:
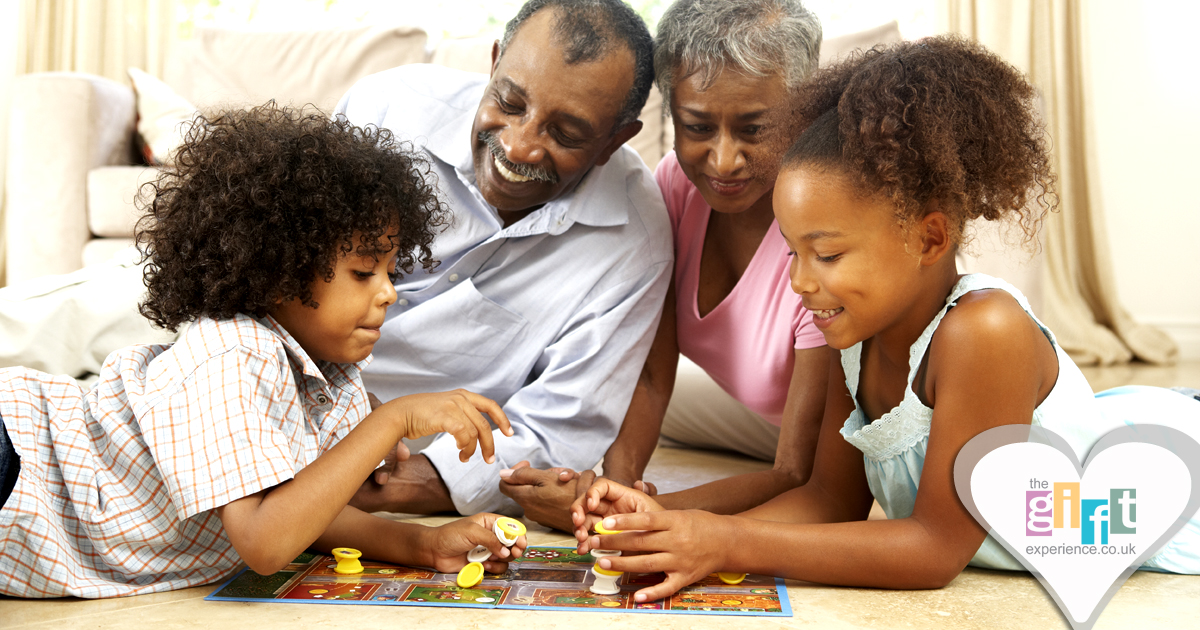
column 351, row 307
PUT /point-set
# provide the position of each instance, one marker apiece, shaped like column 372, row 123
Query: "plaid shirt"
column 118, row 484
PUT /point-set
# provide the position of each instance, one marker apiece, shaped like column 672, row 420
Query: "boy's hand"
column 450, row 543
column 459, row 413
column 605, row 498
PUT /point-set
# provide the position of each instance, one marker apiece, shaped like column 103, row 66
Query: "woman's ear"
column 936, row 240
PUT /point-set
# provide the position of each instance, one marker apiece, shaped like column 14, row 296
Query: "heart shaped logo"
column 1081, row 530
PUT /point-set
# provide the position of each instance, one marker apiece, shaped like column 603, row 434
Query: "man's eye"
column 505, row 106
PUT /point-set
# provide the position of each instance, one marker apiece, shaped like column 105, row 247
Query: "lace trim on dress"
column 908, row 423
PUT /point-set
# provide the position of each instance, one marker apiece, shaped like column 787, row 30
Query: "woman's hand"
column 687, row 545
column 449, row 544
column 604, row 498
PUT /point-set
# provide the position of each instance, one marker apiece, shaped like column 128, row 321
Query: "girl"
column 903, row 147
column 278, row 237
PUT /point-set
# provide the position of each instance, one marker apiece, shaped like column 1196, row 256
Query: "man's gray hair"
column 589, row 30
column 755, row 37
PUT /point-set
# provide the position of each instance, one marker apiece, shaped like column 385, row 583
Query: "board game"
column 544, row 578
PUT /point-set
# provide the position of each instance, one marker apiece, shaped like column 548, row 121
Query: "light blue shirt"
column 552, row 317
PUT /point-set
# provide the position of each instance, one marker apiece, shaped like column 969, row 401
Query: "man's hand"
column 413, row 487
column 448, row 544
column 545, row 495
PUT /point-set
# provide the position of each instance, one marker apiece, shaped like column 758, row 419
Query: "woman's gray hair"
column 755, row 37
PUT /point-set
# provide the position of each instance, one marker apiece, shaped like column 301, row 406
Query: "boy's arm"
column 270, row 528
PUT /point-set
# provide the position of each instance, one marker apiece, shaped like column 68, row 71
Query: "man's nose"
column 522, row 143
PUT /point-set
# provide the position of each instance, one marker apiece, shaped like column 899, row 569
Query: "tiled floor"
column 976, row 599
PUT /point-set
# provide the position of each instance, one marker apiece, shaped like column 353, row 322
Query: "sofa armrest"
column 61, row 126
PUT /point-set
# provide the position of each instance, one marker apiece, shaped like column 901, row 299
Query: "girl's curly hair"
column 942, row 118
column 261, row 203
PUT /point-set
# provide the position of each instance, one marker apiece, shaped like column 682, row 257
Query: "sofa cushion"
column 110, row 194
column 162, row 117
column 227, row 68
column 99, row 250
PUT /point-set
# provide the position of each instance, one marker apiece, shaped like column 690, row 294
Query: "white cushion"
column 110, row 194
column 163, row 117
column 99, row 250
column 226, row 68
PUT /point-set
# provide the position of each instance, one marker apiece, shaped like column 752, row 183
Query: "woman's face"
column 729, row 137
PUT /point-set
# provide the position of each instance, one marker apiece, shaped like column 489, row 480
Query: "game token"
column 508, row 530
column 470, row 575
column 599, row 528
column 479, row 554
column 347, row 561
column 731, row 578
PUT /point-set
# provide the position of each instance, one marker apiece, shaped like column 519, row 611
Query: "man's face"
column 542, row 124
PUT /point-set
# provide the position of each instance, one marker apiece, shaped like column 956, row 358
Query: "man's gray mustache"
column 536, row 173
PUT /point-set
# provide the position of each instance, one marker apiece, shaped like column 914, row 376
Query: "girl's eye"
column 791, row 253
column 828, row 259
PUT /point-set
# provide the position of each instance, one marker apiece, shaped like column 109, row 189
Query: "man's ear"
column 934, row 230
column 495, row 57
column 623, row 135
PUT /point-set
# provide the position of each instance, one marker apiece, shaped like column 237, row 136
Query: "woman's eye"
column 752, row 130
column 696, row 129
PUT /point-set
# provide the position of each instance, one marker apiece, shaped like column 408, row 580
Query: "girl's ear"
column 934, row 230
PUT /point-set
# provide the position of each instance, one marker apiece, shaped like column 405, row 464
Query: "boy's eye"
column 363, row 275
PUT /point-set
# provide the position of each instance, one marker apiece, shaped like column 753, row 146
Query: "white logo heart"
column 1082, row 531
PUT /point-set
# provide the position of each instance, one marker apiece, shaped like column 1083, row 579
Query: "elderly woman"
column 726, row 69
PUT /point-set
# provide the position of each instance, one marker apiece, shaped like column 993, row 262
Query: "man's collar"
column 591, row 203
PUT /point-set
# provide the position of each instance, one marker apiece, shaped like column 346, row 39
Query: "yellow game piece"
column 602, row 571
column 731, row 578
column 347, row 561
column 470, row 575
column 508, row 530
column 599, row 528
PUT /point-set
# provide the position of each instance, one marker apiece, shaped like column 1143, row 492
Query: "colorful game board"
column 546, row 577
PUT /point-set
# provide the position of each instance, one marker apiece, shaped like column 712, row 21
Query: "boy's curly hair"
column 261, row 203
column 942, row 118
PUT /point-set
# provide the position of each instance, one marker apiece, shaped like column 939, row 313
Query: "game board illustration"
column 545, row 578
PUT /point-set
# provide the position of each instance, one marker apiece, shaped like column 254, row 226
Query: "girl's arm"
column 798, row 435
column 270, row 528
column 989, row 365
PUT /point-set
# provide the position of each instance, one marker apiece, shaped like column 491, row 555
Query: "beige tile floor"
column 976, row 599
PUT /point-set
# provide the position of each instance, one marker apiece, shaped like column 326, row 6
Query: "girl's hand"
column 606, row 497
column 449, row 544
column 459, row 413
column 685, row 544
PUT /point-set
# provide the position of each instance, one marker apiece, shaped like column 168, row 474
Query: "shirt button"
column 322, row 399
column 453, row 277
column 402, row 302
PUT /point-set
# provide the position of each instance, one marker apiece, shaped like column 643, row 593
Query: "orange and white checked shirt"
column 118, row 484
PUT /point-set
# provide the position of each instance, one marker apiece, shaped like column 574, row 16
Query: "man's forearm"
column 414, row 487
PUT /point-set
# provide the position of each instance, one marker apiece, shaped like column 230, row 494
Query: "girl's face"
column 723, row 136
column 351, row 307
column 850, row 263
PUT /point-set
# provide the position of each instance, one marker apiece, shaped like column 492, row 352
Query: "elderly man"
column 555, row 266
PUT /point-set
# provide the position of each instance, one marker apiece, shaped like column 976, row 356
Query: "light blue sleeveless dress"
column 894, row 446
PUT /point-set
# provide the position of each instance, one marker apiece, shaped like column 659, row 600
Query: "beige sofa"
column 73, row 164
